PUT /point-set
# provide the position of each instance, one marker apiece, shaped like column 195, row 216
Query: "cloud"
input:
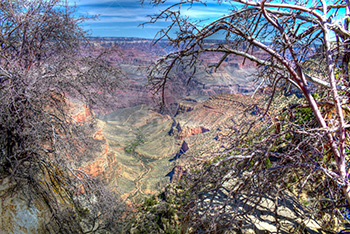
column 130, row 13
column 116, row 11
column 204, row 13
column 118, row 19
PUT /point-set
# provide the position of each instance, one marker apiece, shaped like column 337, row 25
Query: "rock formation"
column 136, row 55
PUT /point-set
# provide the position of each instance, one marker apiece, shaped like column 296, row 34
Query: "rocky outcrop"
column 17, row 214
column 188, row 131
column 214, row 116
column 84, row 113
column 40, row 210
column 184, row 107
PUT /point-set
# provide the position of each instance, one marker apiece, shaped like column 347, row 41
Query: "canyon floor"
column 144, row 150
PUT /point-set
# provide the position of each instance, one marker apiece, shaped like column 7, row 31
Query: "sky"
column 121, row 18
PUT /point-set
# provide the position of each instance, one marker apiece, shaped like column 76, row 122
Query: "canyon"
column 143, row 141
column 134, row 57
column 140, row 143
column 145, row 144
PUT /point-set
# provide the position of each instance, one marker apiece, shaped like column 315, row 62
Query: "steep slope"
column 207, row 125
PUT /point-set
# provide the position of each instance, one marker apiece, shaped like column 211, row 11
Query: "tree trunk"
column 337, row 149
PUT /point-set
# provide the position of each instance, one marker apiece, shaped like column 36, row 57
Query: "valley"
column 143, row 143
column 234, row 119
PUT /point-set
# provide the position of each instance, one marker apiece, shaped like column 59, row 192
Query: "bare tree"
column 45, row 63
column 299, row 43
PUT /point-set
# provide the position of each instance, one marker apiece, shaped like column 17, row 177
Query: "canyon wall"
column 140, row 146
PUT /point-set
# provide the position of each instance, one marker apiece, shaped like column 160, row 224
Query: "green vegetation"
column 157, row 214
column 130, row 149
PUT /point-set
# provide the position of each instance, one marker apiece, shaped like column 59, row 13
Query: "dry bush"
column 45, row 63
column 306, row 148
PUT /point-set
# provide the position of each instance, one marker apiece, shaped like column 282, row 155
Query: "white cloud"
column 204, row 13
column 120, row 11
column 122, row 19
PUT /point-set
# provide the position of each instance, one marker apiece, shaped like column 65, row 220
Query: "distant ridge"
column 142, row 39
column 119, row 38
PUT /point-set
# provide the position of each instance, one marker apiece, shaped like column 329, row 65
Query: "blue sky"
column 121, row 18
